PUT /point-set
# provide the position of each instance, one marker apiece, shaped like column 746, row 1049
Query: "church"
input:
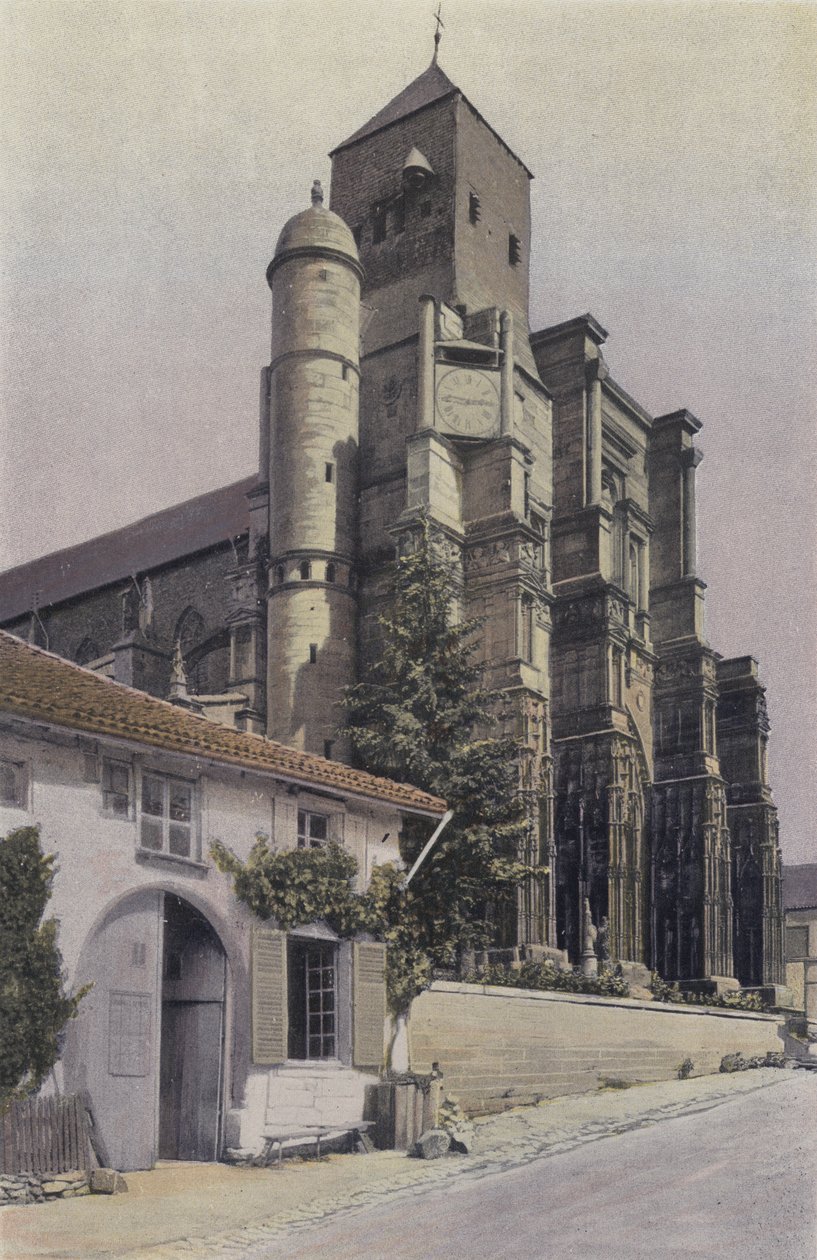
column 406, row 386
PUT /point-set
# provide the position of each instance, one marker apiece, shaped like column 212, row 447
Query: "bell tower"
column 438, row 204
column 455, row 422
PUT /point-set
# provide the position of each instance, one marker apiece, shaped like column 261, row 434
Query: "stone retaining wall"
column 21, row 1188
column 501, row 1048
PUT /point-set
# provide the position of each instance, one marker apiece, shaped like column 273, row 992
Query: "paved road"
column 736, row 1182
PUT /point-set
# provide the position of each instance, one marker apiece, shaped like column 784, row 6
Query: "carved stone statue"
column 590, row 963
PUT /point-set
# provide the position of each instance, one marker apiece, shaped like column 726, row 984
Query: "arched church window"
column 86, row 652
column 305, row 570
column 330, row 572
column 378, row 224
column 279, row 573
column 189, row 630
column 190, row 634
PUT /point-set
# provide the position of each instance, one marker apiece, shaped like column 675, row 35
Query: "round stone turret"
column 315, row 230
column 313, row 451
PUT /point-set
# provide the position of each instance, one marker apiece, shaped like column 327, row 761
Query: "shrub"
column 545, row 976
column 734, row 1063
column 685, row 1069
column 33, row 1005
column 737, row 1000
column 739, row 1063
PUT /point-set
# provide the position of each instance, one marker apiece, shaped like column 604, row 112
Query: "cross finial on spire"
column 438, row 34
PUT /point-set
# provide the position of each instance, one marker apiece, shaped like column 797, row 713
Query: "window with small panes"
column 313, row 829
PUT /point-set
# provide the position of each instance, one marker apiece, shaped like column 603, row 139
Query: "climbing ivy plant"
column 296, row 886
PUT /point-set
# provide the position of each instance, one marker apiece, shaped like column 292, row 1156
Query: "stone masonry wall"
column 500, row 1048
column 17, row 1189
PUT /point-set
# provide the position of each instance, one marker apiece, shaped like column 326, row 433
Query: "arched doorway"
column 148, row 1042
column 192, row 1034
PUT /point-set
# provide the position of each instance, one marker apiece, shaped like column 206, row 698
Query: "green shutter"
column 368, row 1003
column 269, row 996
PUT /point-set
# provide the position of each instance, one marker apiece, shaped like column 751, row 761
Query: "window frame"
column 310, row 841
column 117, row 763
column 193, row 824
column 22, row 781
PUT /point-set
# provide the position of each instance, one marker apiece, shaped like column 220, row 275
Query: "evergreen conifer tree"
column 33, row 1005
column 424, row 717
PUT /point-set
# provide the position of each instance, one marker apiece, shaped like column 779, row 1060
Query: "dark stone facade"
column 566, row 513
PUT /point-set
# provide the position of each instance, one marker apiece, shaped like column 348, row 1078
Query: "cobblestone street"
column 182, row 1211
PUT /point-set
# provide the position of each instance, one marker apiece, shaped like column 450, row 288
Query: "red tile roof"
column 38, row 685
column 177, row 531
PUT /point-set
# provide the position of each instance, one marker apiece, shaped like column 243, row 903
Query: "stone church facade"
column 405, row 384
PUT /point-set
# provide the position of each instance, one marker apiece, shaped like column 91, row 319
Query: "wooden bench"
column 315, row 1132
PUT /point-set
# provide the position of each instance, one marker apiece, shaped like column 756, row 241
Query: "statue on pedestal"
column 590, row 963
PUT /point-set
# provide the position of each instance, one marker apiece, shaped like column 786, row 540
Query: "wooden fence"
column 45, row 1135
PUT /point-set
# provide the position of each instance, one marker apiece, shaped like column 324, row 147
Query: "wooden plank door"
column 194, row 970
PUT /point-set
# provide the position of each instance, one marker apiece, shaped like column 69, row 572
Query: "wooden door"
column 192, row 1035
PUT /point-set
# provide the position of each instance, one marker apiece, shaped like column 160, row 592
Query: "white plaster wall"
column 97, row 866
column 96, row 853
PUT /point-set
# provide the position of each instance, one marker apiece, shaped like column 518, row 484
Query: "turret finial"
column 438, row 34
column 317, row 193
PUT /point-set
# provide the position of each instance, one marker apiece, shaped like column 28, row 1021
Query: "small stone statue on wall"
column 590, row 963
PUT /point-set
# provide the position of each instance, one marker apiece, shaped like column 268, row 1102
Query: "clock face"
column 467, row 403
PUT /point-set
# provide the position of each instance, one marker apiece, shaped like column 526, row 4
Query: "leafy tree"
column 423, row 717
column 33, row 1006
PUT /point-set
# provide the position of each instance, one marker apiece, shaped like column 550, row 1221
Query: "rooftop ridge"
column 200, row 522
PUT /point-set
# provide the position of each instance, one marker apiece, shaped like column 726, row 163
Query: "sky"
column 150, row 152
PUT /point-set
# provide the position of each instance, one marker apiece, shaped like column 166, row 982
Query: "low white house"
column 205, row 1029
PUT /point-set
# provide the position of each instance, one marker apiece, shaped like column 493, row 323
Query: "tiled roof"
column 38, row 685
column 158, row 539
column 800, row 887
column 430, row 86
